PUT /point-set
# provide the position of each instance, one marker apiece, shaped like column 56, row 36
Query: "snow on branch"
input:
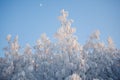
column 64, row 59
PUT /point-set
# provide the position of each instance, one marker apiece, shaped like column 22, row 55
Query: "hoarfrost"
column 64, row 59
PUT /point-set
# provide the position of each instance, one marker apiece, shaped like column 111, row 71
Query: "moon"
column 41, row 4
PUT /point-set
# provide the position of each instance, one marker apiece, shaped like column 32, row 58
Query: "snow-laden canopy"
column 64, row 59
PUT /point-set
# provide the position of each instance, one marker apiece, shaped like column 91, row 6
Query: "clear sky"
column 30, row 18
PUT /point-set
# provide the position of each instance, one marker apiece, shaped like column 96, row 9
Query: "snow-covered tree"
column 64, row 59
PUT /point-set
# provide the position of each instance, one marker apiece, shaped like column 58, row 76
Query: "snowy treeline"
column 64, row 59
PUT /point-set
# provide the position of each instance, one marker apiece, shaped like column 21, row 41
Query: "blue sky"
column 28, row 20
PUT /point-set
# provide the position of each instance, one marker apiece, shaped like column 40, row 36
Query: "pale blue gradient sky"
column 28, row 20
